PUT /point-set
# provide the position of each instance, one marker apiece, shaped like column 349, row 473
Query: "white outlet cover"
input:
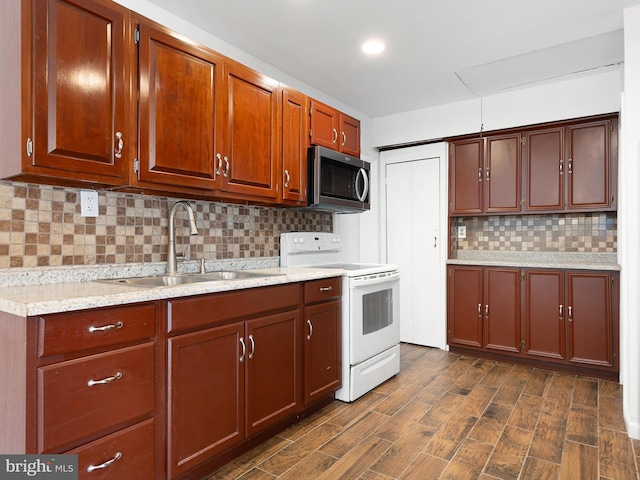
column 462, row 231
column 89, row 203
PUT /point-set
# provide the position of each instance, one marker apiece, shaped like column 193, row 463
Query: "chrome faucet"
column 171, row 255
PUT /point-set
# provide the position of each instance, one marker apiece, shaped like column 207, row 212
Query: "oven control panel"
column 301, row 242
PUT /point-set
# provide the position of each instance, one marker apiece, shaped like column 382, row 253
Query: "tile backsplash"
column 576, row 232
column 41, row 225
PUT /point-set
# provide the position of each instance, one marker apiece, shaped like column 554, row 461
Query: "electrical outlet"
column 89, row 203
column 462, row 231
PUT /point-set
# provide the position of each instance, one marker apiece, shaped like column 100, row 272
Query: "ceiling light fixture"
column 373, row 47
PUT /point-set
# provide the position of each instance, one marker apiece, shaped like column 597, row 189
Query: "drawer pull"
column 104, row 381
column 91, row 468
column 310, row 329
column 326, row 289
column 106, row 327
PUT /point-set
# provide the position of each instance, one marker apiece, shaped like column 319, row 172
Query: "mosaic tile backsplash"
column 579, row 232
column 41, row 225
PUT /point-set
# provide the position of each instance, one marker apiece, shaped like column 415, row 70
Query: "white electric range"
column 370, row 310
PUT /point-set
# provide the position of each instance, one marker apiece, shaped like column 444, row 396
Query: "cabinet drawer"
column 203, row 310
column 70, row 332
column 89, row 396
column 322, row 290
column 129, row 453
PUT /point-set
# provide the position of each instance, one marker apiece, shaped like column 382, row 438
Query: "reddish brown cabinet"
column 555, row 316
column 502, row 174
column 180, row 111
column 484, row 308
column 543, row 175
column 295, row 142
column 333, row 129
column 75, row 92
column 466, row 176
column 322, row 351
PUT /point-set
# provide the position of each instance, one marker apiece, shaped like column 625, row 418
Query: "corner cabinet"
column 333, row 129
column 561, row 318
column 75, row 91
column 560, row 167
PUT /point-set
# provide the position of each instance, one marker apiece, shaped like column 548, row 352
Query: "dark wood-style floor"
column 447, row 416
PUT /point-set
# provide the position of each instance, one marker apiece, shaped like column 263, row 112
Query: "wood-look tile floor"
column 447, row 416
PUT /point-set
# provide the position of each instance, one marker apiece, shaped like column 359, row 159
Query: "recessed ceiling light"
column 373, row 47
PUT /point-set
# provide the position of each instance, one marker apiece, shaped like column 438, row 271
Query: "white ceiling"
column 438, row 51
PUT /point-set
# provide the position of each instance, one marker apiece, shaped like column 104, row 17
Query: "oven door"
column 374, row 308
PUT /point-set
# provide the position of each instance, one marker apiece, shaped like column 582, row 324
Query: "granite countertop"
column 564, row 260
column 21, row 295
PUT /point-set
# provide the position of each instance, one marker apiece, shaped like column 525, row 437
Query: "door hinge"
column 523, row 140
column 614, row 359
column 523, row 203
column 136, row 35
column 522, row 276
column 613, row 198
column 136, row 166
column 29, row 147
column 612, row 280
column 611, row 127
column 521, row 345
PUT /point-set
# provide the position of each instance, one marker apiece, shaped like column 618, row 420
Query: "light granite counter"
column 24, row 297
column 564, row 260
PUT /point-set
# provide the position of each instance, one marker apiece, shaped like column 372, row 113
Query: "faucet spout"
column 171, row 254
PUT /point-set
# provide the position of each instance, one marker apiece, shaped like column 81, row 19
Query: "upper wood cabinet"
column 485, row 175
column 180, row 86
column 75, row 91
column 333, row 129
column 563, row 167
column 295, row 142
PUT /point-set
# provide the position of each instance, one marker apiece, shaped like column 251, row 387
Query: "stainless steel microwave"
column 337, row 182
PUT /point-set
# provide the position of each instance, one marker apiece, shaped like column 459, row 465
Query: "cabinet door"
column 466, row 177
column 589, row 165
column 205, row 395
column 349, row 135
column 250, row 144
column 322, row 347
column 80, row 90
column 324, row 124
column 502, row 309
column 179, row 89
column 502, row 174
column 544, row 169
column 274, row 355
column 464, row 306
column 295, row 141
column 590, row 328
column 544, row 314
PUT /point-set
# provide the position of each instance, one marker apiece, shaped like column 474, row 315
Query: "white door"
column 416, row 242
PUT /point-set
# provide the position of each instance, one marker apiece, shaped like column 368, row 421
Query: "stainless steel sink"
column 188, row 278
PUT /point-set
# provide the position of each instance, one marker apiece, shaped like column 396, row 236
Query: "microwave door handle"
column 362, row 197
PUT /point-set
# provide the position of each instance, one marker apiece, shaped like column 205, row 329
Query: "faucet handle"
column 184, row 255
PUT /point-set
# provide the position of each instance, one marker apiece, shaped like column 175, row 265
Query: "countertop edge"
column 30, row 300
column 534, row 264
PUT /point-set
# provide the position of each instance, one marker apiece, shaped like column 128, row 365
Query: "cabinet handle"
column 310, row 329
column 560, row 314
column 106, row 327
column 480, row 310
column 571, row 314
column 570, row 165
column 119, row 145
column 91, row 468
column 480, row 174
column 219, row 169
column 244, row 349
column 486, row 310
column 488, row 174
column 253, row 347
column 344, row 138
column 104, row 381
column 326, row 289
column 226, row 167
column 561, row 167
column 335, row 136
column 286, row 182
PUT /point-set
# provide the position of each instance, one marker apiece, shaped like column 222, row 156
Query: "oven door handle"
column 365, row 282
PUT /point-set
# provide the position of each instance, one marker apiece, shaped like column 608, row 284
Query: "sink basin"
column 188, row 278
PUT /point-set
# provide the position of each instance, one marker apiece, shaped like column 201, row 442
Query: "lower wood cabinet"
column 565, row 318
